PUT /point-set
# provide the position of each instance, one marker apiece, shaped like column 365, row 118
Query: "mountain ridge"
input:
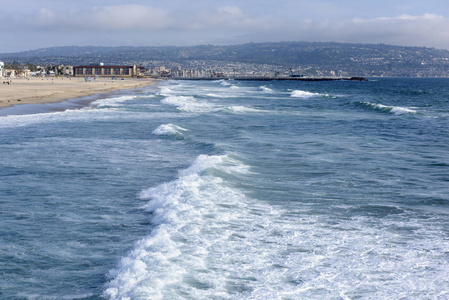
column 325, row 57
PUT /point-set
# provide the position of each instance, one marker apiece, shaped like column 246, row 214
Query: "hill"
column 304, row 57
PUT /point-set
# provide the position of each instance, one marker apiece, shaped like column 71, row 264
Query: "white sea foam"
column 42, row 118
column 215, row 95
column 112, row 102
column 396, row 110
column 303, row 94
column 165, row 90
column 242, row 109
column 173, row 90
column 25, row 120
column 187, row 213
column 224, row 83
column 84, row 113
column 169, row 129
column 189, row 104
column 265, row 89
column 212, row 241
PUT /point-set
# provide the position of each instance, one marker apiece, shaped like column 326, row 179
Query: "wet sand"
column 48, row 90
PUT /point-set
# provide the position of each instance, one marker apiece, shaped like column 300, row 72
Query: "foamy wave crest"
column 43, row 118
column 186, row 213
column 265, row 89
column 213, row 95
column 169, row 129
column 170, row 90
column 304, row 94
column 165, row 91
column 242, row 109
column 112, row 102
column 210, row 241
column 224, row 83
column 189, row 104
column 396, row 110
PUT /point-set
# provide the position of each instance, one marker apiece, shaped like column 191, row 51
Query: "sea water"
column 231, row 190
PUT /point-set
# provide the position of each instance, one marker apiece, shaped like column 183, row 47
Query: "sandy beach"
column 46, row 90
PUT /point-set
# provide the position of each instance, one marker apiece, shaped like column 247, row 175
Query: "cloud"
column 120, row 17
column 224, row 18
column 141, row 17
column 230, row 24
column 423, row 30
column 426, row 29
column 401, row 18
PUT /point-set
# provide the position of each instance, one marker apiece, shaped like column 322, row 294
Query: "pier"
column 270, row 78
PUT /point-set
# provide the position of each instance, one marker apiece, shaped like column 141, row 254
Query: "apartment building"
column 108, row 71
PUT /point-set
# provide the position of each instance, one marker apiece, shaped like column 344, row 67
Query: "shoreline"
column 54, row 90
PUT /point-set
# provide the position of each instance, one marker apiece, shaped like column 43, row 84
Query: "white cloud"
column 228, row 24
column 426, row 29
column 404, row 17
column 120, row 17
column 230, row 17
column 141, row 17
column 429, row 30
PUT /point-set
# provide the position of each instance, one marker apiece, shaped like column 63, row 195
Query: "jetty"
column 277, row 78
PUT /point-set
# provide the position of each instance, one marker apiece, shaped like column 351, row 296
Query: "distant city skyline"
column 30, row 24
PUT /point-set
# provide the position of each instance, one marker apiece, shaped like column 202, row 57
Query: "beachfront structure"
column 2, row 69
column 64, row 70
column 10, row 73
column 108, row 71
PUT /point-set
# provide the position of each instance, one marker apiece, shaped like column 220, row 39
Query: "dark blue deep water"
column 231, row 190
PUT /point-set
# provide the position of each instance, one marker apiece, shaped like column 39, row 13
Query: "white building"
column 2, row 69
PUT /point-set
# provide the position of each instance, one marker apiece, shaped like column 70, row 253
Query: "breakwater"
column 267, row 78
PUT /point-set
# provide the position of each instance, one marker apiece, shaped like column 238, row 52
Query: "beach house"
column 2, row 69
column 101, row 70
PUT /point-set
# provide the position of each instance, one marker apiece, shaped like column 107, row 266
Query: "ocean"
column 230, row 190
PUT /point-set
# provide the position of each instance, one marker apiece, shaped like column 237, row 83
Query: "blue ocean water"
column 231, row 190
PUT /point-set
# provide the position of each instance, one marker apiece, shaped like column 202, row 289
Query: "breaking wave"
column 187, row 213
column 242, row 109
column 265, row 89
column 169, row 129
column 211, row 241
column 224, row 83
column 189, row 104
column 396, row 110
column 112, row 102
column 306, row 95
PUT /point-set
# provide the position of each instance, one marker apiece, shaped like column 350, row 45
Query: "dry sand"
column 44, row 90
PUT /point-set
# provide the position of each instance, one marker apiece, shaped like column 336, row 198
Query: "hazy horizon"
column 31, row 25
column 224, row 45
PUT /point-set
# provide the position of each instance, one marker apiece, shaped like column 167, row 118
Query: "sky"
column 34, row 24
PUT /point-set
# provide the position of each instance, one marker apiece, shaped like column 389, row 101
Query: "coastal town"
column 15, row 70
column 10, row 71
column 272, row 60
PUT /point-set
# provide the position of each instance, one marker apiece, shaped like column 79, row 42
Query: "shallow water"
column 231, row 190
